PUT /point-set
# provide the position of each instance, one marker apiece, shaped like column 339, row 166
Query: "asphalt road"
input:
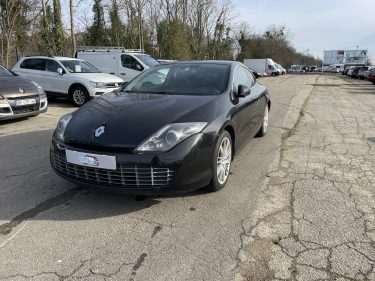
column 274, row 211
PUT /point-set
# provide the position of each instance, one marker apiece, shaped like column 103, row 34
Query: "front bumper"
column 186, row 167
column 8, row 109
column 97, row 92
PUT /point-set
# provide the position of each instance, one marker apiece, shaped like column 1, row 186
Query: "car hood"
column 16, row 86
column 130, row 118
column 98, row 77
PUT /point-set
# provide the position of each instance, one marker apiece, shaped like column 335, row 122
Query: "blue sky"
column 315, row 24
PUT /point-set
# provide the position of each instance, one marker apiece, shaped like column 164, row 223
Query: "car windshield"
column 5, row 72
column 78, row 66
column 188, row 79
column 148, row 60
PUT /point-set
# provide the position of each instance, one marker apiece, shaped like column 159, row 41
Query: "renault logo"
column 21, row 90
column 99, row 131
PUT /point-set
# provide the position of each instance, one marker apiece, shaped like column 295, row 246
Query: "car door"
column 246, row 108
column 54, row 81
column 33, row 69
column 129, row 68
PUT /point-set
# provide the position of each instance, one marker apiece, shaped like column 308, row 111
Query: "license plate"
column 91, row 160
column 25, row 102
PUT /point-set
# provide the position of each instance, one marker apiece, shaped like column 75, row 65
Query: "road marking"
column 14, row 235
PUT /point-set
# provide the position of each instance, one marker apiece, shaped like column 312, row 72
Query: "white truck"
column 124, row 63
column 266, row 66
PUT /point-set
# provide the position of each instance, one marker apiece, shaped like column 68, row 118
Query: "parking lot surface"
column 299, row 204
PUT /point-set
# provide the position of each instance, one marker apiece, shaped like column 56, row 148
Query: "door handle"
column 112, row 73
column 123, row 73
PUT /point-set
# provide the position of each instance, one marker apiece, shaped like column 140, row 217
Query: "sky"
column 316, row 25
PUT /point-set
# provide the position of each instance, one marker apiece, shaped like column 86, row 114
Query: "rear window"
column 36, row 64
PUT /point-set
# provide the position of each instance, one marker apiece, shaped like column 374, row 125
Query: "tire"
column 263, row 130
column 79, row 95
column 221, row 167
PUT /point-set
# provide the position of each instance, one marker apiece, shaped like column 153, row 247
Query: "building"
column 346, row 57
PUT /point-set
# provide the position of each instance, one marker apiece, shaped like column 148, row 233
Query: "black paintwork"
column 130, row 118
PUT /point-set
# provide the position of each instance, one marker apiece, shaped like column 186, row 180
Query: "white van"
column 124, row 63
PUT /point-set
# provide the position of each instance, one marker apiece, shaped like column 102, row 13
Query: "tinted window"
column 189, row 79
column 242, row 77
column 251, row 77
column 52, row 66
column 130, row 62
column 36, row 64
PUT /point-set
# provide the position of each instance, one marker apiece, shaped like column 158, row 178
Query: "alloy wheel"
column 79, row 97
column 224, row 158
column 265, row 119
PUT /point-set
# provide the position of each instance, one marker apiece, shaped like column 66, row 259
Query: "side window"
column 241, row 78
column 130, row 62
column 251, row 78
column 52, row 66
column 36, row 64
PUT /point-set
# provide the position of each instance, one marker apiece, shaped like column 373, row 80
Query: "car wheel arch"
column 74, row 85
column 230, row 129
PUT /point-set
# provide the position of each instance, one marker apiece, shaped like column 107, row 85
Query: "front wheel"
column 221, row 162
column 263, row 130
column 79, row 95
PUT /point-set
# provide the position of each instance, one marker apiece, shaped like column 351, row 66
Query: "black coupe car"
column 174, row 128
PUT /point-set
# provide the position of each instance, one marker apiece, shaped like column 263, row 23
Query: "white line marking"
column 14, row 235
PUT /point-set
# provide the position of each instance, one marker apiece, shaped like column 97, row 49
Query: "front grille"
column 123, row 177
column 26, row 109
column 23, row 97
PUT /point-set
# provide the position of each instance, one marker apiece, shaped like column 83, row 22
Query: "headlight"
column 97, row 84
column 169, row 136
column 40, row 89
column 61, row 126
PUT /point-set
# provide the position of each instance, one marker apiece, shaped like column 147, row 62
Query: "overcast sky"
column 316, row 24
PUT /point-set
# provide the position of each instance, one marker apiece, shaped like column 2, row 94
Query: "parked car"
column 67, row 77
column 362, row 72
column 124, row 63
column 346, row 70
column 282, row 69
column 20, row 97
column 371, row 75
column 354, row 72
column 174, row 128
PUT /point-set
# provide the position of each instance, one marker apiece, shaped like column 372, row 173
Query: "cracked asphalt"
column 299, row 204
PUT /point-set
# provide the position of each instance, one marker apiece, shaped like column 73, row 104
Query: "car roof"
column 49, row 57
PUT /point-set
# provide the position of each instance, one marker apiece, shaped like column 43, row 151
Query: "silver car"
column 20, row 97
column 363, row 72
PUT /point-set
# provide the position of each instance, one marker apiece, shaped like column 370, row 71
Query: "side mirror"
column 243, row 91
column 60, row 71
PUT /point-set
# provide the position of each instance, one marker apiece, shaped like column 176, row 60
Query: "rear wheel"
column 263, row 130
column 79, row 95
column 221, row 162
